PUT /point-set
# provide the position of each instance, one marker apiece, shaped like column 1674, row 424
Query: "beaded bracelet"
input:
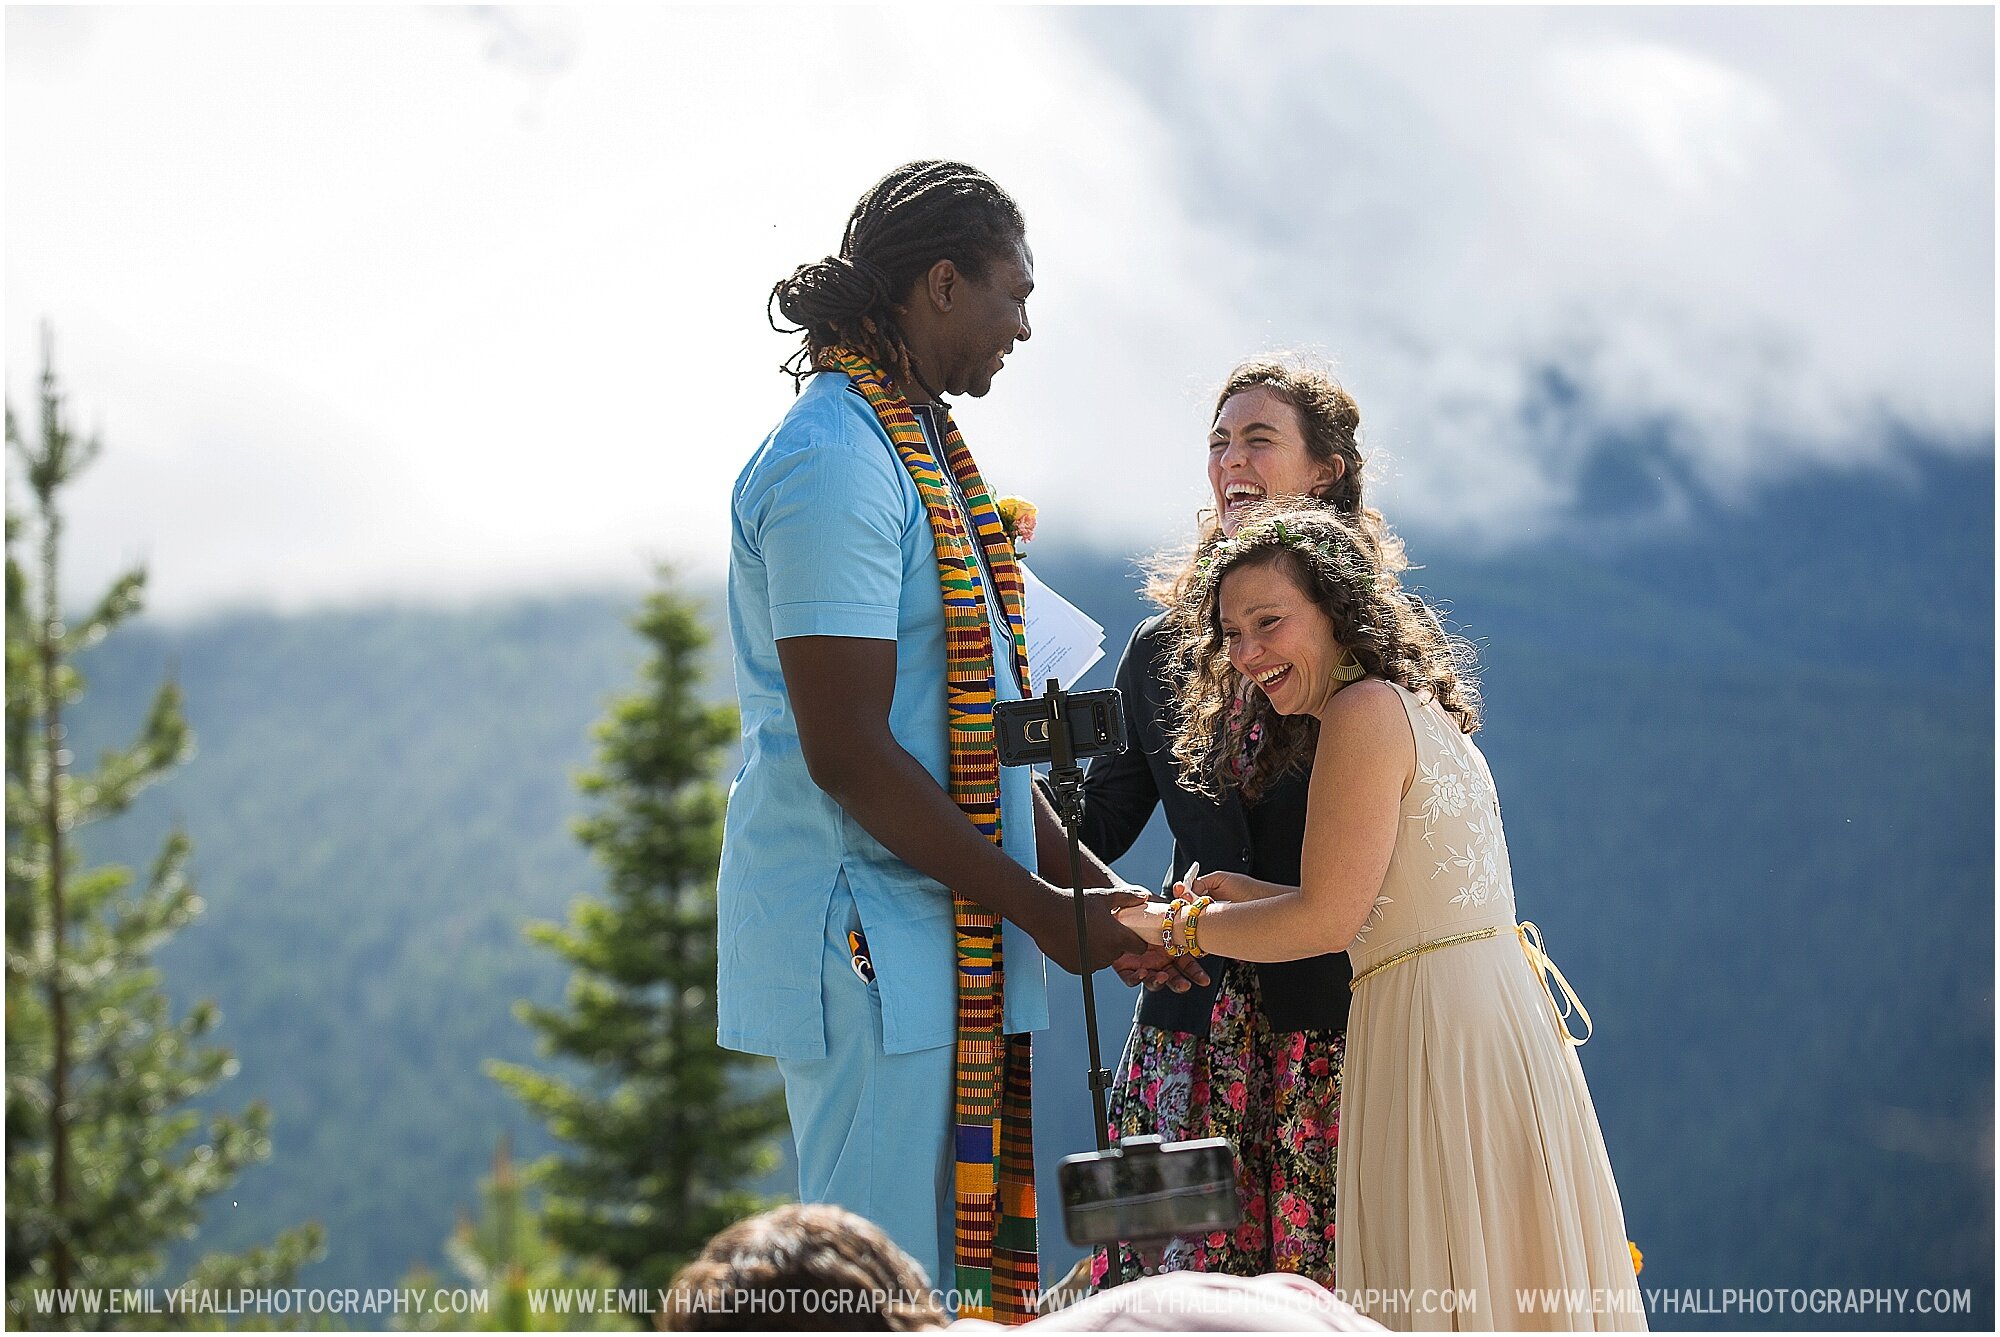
column 1177, row 920
column 1167, row 928
column 1189, row 944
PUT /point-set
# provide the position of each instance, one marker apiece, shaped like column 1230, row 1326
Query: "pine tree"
column 508, row 1255
column 666, row 1126
column 106, row 1167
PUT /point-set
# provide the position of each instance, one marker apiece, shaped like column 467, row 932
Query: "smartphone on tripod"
column 1023, row 731
column 1146, row 1190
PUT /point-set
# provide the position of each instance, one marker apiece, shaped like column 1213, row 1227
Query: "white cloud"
column 411, row 301
column 1767, row 233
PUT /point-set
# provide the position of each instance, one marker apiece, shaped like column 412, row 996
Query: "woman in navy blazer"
column 1255, row 1055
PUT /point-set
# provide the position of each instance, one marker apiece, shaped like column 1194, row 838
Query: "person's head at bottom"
column 809, row 1267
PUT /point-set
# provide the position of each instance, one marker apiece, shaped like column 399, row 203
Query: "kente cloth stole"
column 997, row 1265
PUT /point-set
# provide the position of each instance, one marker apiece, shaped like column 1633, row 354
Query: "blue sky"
column 421, row 302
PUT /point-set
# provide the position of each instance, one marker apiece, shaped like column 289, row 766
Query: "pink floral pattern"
column 1276, row 1096
column 1239, row 765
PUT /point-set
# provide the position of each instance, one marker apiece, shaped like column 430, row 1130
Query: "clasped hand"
column 1113, row 944
column 1147, row 918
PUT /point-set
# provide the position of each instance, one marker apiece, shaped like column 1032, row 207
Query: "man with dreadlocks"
column 881, row 934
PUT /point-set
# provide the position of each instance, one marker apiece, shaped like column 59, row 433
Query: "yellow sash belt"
column 1538, row 961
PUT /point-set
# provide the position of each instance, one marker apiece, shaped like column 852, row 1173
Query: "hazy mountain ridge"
column 1747, row 770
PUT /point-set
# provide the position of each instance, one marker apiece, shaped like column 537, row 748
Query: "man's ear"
column 941, row 285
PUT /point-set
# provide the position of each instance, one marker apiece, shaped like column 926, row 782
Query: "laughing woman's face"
column 1279, row 638
column 1257, row 449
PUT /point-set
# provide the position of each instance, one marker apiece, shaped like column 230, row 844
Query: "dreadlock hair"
column 917, row 215
column 1332, row 423
column 1331, row 558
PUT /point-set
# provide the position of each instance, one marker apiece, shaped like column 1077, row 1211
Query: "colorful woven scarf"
column 998, row 1270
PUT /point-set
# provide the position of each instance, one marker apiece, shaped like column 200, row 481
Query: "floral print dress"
column 1275, row 1095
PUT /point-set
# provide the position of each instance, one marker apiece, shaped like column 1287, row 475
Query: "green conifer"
column 106, row 1165
column 518, row 1280
column 665, row 1127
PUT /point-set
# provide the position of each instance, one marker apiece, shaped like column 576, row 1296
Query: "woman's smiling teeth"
column 1240, row 493
column 1271, row 677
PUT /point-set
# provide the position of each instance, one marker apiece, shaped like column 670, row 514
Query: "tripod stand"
column 1066, row 795
column 1143, row 1193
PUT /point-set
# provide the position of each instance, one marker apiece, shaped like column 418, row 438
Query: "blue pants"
column 874, row 1130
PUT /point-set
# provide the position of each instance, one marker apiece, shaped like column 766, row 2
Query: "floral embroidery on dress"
column 1374, row 913
column 1450, row 787
column 1479, row 861
column 1447, row 796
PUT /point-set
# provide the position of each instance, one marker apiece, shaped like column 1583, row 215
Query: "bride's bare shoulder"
column 1370, row 700
column 1366, row 728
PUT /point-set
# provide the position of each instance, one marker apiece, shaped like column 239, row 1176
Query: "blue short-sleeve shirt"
column 830, row 538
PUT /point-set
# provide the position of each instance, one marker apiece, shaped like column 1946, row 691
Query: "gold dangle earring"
column 1350, row 671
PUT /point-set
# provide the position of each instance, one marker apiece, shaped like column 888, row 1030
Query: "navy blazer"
column 1120, row 793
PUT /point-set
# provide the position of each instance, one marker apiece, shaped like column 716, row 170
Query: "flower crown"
column 1275, row 533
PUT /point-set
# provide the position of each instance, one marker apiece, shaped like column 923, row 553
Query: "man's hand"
column 1156, row 970
column 1109, row 940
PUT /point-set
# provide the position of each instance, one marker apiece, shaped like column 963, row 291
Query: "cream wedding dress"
column 1474, row 1190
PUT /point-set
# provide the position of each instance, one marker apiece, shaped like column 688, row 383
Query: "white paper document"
column 1063, row 642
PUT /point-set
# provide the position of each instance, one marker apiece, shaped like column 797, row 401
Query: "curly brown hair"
column 810, row 1267
column 1334, row 561
column 1332, row 423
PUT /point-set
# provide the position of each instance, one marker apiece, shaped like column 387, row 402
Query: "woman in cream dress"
column 1474, row 1190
